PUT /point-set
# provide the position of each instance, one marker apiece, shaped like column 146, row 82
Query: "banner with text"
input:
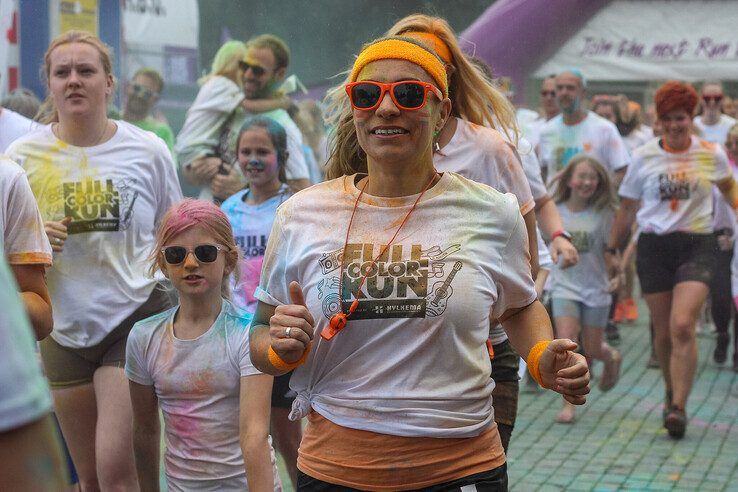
column 653, row 40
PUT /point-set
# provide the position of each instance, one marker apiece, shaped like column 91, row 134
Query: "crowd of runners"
column 361, row 279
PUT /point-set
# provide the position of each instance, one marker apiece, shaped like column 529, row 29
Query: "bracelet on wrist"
column 561, row 233
column 276, row 361
column 533, row 360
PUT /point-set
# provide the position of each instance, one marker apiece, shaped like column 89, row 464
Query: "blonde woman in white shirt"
column 385, row 315
column 101, row 187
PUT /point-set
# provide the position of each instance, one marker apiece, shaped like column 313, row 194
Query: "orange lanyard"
column 338, row 321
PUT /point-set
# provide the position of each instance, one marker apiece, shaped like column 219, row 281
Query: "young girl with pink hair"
column 193, row 362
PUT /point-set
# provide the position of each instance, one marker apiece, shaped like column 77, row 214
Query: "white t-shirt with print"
column 24, row 392
column 13, row 126
column 116, row 193
column 717, row 133
column 675, row 189
column 251, row 227
column 197, row 383
column 215, row 102
column 593, row 135
column 484, row 155
column 23, row 237
column 587, row 281
column 481, row 154
column 412, row 360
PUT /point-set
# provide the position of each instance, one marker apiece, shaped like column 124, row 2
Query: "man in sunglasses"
column 549, row 109
column 712, row 123
column 142, row 93
column 264, row 68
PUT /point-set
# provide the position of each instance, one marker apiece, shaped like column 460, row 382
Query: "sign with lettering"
column 654, row 40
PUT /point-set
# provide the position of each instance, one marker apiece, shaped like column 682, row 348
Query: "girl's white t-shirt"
column 412, row 360
column 675, row 189
column 197, row 384
column 116, row 193
column 587, row 281
column 22, row 233
column 251, row 227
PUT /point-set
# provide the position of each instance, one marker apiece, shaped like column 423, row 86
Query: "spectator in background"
column 628, row 121
column 712, row 124
column 13, row 126
column 221, row 96
column 548, row 110
column 142, row 94
column 309, row 119
column 30, row 452
column 729, row 107
column 578, row 130
column 22, row 101
column 604, row 106
column 264, row 67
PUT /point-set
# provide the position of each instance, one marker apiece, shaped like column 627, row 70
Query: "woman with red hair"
column 668, row 190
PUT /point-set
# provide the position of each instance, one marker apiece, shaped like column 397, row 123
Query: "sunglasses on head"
column 205, row 253
column 548, row 93
column 142, row 91
column 257, row 70
column 406, row 94
column 716, row 99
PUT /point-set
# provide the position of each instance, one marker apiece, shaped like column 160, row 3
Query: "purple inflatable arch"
column 516, row 36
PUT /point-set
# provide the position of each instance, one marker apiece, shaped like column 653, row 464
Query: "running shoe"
column 612, row 335
column 630, row 310
column 676, row 422
column 720, row 354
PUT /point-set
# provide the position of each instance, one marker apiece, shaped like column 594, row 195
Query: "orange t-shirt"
column 371, row 461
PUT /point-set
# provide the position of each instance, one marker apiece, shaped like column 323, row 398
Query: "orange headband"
column 436, row 43
column 396, row 48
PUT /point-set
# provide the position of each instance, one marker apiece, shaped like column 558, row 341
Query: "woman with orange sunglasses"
column 377, row 289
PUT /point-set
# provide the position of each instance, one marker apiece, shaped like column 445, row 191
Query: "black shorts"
column 282, row 395
column 66, row 366
column 665, row 260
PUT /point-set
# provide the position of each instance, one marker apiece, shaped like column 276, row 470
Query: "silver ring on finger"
column 57, row 240
column 287, row 332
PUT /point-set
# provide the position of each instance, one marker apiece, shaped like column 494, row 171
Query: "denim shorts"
column 589, row 316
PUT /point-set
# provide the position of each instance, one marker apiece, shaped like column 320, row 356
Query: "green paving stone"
column 579, row 487
column 660, row 486
column 635, row 485
column 618, row 437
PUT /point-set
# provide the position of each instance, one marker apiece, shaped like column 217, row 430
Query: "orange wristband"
column 534, row 358
column 277, row 361
column 735, row 204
